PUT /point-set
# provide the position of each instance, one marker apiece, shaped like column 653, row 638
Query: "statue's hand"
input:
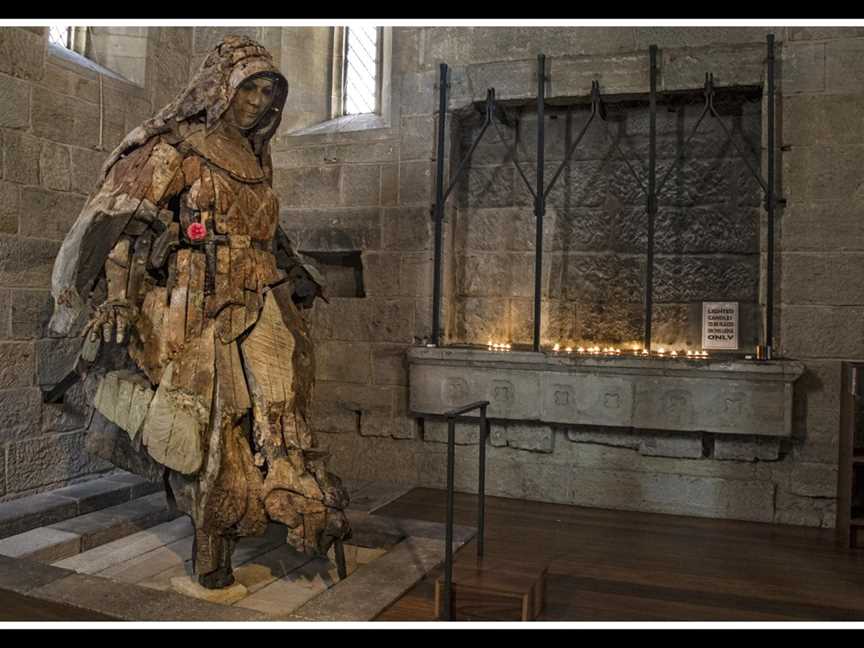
column 306, row 289
column 113, row 316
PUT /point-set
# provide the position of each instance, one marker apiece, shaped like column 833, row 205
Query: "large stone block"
column 49, row 459
column 603, row 278
column 803, row 66
column 381, row 274
column 343, row 361
column 389, row 184
column 419, row 93
column 86, row 165
column 20, row 413
column 17, row 364
column 31, row 310
column 14, row 103
column 21, row 157
column 807, row 479
column 26, row 262
column 744, row 449
column 818, row 279
column 313, row 187
column 487, row 187
column 418, row 138
column 523, row 437
column 816, row 120
column 804, row 511
column 361, row 185
column 685, row 68
column 436, row 431
column 822, row 173
column 5, row 313
column 22, row 53
column 824, row 226
column 54, row 167
column 333, row 229
column 823, row 33
column 362, row 152
column 389, row 366
column 821, row 332
column 450, row 45
column 10, row 204
column 690, row 278
column 293, row 157
column 392, row 320
column 671, row 37
column 64, row 119
column 479, row 320
column 48, row 214
column 416, row 182
column 415, row 274
column 681, row 446
column 515, row 79
column 407, row 229
column 708, row 497
column 844, row 69
column 618, row 73
column 82, row 83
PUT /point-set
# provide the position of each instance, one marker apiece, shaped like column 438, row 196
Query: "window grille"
column 362, row 60
column 60, row 36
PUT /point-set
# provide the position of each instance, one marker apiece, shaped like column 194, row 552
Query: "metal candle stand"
column 651, row 191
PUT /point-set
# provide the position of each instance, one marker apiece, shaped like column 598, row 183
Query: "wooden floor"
column 624, row 566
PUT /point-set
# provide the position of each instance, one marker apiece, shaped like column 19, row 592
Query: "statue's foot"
column 222, row 577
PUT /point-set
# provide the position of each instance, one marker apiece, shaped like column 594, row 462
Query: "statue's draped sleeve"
column 136, row 187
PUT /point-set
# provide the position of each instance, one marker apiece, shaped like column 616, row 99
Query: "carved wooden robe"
column 217, row 390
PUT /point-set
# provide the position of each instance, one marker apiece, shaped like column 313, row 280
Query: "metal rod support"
column 448, row 541
column 652, row 196
column 439, row 206
column 481, row 485
column 769, row 301
column 539, row 196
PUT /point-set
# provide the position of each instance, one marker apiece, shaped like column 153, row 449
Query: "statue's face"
column 252, row 99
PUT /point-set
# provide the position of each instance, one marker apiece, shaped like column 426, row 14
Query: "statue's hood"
column 209, row 93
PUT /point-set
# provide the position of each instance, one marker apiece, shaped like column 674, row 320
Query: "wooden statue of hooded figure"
column 186, row 293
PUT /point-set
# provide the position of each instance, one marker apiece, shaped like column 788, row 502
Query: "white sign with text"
column 719, row 325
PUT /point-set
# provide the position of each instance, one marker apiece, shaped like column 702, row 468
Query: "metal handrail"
column 481, row 492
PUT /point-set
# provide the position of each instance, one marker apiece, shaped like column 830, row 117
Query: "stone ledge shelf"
column 706, row 395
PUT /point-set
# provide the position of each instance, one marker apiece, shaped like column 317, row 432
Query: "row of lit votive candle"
column 498, row 347
column 596, row 350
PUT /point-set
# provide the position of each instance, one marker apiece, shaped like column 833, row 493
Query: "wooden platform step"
column 494, row 590
column 78, row 534
column 45, row 509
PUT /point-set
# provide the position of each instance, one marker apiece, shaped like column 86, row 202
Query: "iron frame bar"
column 539, row 196
column 439, row 205
column 452, row 415
column 652, row 196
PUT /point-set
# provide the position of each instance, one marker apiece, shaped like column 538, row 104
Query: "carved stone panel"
column 724, row 397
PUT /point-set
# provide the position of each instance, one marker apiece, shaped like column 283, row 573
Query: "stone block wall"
column 819, row 237
column 52, row 149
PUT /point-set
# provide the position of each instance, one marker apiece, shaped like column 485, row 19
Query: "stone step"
column 26, row 513
column 84, row 532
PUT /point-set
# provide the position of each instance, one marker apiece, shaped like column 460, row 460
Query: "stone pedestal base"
column 188, row 586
